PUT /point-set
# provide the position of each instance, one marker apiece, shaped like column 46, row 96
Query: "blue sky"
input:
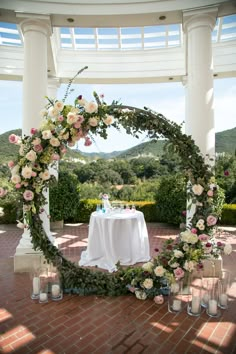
column 168, row 99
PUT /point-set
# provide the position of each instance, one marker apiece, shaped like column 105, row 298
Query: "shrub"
column 171, row 199
column 228, row 216
column 13, row 208
column 64, row 198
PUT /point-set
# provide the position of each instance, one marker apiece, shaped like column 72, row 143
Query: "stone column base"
column 28, row 261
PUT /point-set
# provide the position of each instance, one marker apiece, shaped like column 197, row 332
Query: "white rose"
column 54, row 141
column 53, row 112
column 15, row 179
column 46, row 134
column 31, row 156
column 197, row 189
column 174, row 265
column 45, row 175
column 36, row 141
column 227, row 249
column 189, row 265
column 71, row 118
column 26, row 172
column 147, row 267
column 178, row 254
column 93, row 122
column 91, row 107
column 193, row 238
column 187, row 236
column 159, row 271
column 186, row 247
column 148, row 283
column 108, row 120
column 59, row 105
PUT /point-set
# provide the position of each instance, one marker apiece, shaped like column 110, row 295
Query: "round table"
column 116, row 236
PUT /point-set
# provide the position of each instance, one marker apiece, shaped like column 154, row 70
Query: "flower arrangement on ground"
column 64, row 125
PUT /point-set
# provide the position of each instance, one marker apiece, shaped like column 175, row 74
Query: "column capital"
column 39, row 23
column 199, row 18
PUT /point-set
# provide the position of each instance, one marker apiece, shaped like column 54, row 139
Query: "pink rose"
column 28, row 195
column 159, row 299
column 11, row 164
column 193, row 230
column 179, row 273
column 17, row 185
column 33, row 131
column 38, row 148
column 13, row 139
column 33, row 174
column 3, row 192
column 88, row 142
column 210, row 193
column 203, row 237
column 211, row 220
column 77, row 125
column 55, row 157
column 80, row 119
column 60, row 118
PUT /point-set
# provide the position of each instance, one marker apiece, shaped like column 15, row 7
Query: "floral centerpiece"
column 63, row 125
column 105, row 200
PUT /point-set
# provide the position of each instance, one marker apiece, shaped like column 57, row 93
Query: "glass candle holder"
column 212, row 308
column 43, row 294
column 205, row 292
column 194, row 302
column 175, row 301
column 224, row 284
column 55, row 286
column 35, row 284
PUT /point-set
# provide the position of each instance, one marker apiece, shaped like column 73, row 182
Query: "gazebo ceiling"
column 120, row 41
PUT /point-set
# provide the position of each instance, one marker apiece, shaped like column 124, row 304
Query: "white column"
column 36, row 33
column 198, row 26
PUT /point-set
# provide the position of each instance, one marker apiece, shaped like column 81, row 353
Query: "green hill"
column 225, row 142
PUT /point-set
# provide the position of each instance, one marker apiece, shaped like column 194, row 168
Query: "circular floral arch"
column 63, row 125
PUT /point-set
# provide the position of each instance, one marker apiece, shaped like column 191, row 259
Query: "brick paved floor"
column 105, row 325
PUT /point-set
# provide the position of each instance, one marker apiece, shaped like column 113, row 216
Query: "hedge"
column 87, row 206
column 228, row 216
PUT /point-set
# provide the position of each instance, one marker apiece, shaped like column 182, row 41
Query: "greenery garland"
column 63, row 125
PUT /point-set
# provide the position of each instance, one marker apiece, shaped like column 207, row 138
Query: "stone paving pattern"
column 104, row 325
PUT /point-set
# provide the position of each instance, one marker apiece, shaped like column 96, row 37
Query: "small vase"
column 224, row 284
column 43, row 293
column 213, row 293
column 175, row 301
column 195, row 296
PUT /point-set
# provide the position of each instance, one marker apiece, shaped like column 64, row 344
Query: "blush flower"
column 26, row 172
column 159, row 271
column 211, row 220
column 197, row 189
column 13, row 139
column 31, row 156
column 91, row 107
column 179, row 273
column 28, row 195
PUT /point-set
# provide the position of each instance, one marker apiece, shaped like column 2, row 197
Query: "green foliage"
column 226, row 176
column 171, row 199
column 228, row 216
column 64, row 198
column 226, row 141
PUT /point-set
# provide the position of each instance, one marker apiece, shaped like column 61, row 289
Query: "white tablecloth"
column 116, row 237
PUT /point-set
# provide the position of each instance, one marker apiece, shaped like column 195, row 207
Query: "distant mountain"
column 225, row 142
